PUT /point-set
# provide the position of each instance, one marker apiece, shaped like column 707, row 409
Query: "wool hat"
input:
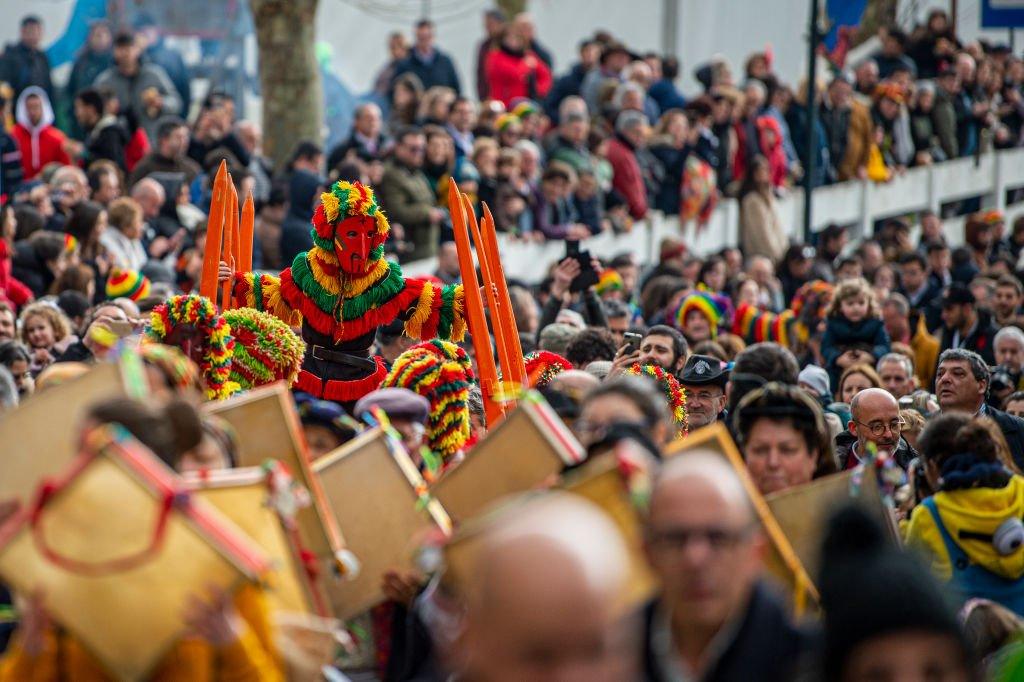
column 870, row 588
column 441, row 372
column 522, row 108
column 556, row 337
column 816, row 378
column 958, row 293
column 506, row 120
column 397, row 403
column 609, row 280
column 715, row 308
column 127, row 284
column 266, row 349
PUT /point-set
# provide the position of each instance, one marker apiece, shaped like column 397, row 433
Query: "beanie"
column 127, row 284
column 542, row 366
column 871, row 589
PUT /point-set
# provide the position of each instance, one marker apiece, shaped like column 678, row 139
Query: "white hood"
column 21, row 116
column 21, row 111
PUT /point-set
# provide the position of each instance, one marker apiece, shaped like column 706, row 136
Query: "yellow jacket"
column 253, row 657
column 980, row 510
column 926, row 354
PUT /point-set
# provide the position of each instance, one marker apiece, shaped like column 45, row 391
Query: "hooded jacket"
column 980, row 510
column 42, row 143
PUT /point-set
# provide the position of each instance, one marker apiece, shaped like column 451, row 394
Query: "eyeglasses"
column 878, row 428
column 717, row 539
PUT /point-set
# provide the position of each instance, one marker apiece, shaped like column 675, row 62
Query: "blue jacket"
column 666, row 95
column 842, row 335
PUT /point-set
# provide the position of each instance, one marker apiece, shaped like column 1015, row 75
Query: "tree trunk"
column 289, row 76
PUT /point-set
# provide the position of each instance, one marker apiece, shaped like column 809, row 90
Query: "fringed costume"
column 342, row 290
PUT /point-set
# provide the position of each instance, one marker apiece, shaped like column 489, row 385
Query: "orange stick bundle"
column 487, row 277
column 229, row 251
column 246, row 230
column 214, row 231
column 475, row 309
column 516, row 369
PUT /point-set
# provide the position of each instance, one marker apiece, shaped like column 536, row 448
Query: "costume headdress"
column 441, row 372
column 542, row 366
column 199, row 313
column 674, row 393
column 266, row 349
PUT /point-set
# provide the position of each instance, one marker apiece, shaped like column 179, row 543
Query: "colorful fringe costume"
column 674, row 393
column 442, row 373
column 191, row 322
column 542, row 366
column 342, row 290
column 793, row 326
column 266, row 349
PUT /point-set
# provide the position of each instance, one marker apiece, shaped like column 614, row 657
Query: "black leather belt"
column 328, row 355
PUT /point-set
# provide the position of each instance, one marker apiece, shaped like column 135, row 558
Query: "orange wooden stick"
column 474, row 308
column 517, row 367
column 214, row 230
column 228, row 251
column 487, row 281
column 247, row 228
column 236, row 234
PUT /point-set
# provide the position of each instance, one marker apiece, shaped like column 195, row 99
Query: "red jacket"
column 627, row 179
column 46, row 146
column 511, row 76
column 11, row 289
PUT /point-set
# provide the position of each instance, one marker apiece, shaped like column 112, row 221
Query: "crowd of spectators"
column 815, row 356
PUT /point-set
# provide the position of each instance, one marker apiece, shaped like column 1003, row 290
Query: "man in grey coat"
column 143, row 88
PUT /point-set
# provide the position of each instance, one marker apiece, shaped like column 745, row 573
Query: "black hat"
column 870, row 588
column 703, row 370
column 957, row 293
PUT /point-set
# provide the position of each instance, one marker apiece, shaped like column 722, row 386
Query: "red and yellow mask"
column 350, row 224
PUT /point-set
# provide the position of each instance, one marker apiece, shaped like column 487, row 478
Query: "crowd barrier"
column 858, row 204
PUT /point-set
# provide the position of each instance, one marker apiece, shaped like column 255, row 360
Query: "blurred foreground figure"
column 545, row 600
column 715, row 619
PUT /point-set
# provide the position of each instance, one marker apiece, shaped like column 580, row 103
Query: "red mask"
column 354, row 238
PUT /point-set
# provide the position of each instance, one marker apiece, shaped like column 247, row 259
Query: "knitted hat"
column 754, row 325
column 181, row 373
column 441, row 372
column 871, row 589
column 817, row 379
column 542, row 366
column 715, row 308
column 127, row 284
column 199, row 313
column 506, row 120
column 609, row 280
column 524, row 107
column 266, row 349
column 674, row 393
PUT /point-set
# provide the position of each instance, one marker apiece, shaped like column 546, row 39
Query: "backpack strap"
column 958, row 559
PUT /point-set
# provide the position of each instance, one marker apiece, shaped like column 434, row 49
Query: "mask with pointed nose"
column 354, row 239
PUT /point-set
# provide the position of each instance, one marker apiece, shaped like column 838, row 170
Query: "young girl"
column 854, row 332
column 43, row 329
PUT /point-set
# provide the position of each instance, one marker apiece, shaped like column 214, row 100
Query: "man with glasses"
column 703, row 378
column 875, row 419
column 714, row 618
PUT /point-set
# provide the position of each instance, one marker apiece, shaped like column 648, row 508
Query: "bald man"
column 544, row 602
column 714, row 619
column 874, row 418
